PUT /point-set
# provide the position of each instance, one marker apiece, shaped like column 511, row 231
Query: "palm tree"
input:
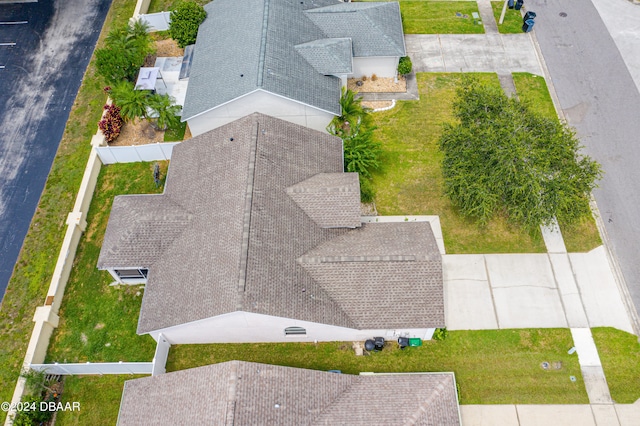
column 133, row 103
column 165, row 111
column 353, row 114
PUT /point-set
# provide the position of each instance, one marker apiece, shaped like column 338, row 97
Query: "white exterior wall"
column 386, row 66
column 247, row 327
column 265, row 103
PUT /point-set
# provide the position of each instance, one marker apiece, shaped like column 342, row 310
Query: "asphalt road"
column 599, row 98
column 44, row 51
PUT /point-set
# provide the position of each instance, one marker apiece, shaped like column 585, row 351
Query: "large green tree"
column 500, row 158
column 185, row 21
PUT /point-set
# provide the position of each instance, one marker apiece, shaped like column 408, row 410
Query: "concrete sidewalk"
column 552, row 415
column 496, row 291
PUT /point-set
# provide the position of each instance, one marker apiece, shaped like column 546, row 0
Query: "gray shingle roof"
column 394, row 273
column 329, row 55
column 330, row 199
column 243, row 393
column 375, row 28
column 243, row 46
column 239, row 200
column 281, row 46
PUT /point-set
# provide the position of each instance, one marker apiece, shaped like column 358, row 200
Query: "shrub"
column 111, row 123
column 374, row 77
column 124, row 52
column 367, row 193
column 165, row 111
column 404, row 65
column 360, row 151
column 363, row 78
column 185, row 21
column 440, row 334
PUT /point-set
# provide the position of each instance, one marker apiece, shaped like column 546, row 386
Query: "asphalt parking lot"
column 44, row 51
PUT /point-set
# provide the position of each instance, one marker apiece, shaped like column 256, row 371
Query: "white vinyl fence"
column 157, row 21
column 96, row 368
column 132, row 154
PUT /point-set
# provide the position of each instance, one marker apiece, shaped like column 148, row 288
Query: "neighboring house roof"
column 244, row 393
column 263, row 203
column 329, row 55
column 375, row 28
column 285, row 47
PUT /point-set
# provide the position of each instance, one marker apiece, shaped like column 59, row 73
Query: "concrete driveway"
column 499, row 53
column 500, row 291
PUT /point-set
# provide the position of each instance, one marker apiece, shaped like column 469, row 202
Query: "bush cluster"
column 111, row 123
column 124, row 52
column 404, row 65
column 185, row 21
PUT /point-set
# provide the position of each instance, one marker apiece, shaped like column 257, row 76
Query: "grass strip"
column 512, row 23
column 98, row 321
column 34, row 268
column 443, row 17
column 491, row 366
column 410, row 180
column 583, row 235
column 619, row 353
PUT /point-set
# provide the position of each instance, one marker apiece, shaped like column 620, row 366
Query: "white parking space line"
column 14, row 22
column 1, row 67
column 7, row 44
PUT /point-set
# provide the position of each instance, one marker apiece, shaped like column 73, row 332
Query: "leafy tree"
column 124, row 52
column 404, row 65
column 185, row 21
column 503, row 159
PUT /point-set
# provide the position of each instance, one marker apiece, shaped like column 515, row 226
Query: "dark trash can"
column 403, row 342
column 369, row 345
column 529, row 15
column 528, row 25
column 510, row 3
column 519, row 4
column 379, row 343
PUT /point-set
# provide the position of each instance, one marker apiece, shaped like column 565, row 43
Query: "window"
column 294, row 331
column 130, row 274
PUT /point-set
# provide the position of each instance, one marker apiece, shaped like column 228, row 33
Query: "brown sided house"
column 258, row 238
column 246, row 393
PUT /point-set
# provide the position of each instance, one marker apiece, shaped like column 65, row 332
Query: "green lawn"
column 492, row 367
column 32, row 274
column 99, row 398
column 532, row 89
column 410, row 179
column 169, row 5
column 620, row 355
column 98, row 321
column 439, row 17
column 512, row 19
column 177, row 134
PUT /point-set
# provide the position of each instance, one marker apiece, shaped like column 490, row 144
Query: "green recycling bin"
column 415, row 341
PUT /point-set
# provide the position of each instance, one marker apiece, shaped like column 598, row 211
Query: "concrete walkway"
column 552, row 415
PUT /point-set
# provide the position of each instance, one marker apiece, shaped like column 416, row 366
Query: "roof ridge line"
column 248, row 201
column 263, row 42
column 232, row 394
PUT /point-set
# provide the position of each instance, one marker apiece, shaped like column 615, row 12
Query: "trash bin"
column 415, row 341
column 529, row 15
column 528, row 25
column 519, row 4
column 510, row 3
